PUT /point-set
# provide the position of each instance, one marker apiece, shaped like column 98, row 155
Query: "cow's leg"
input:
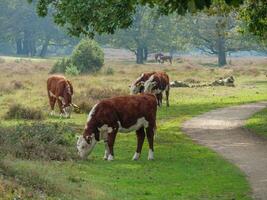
column 159, row 98
column 150, row 138
column 111, row 141
column 140, row 133
column 52, row 102
column 60, row 105
column 106, row 154
column 167, row 92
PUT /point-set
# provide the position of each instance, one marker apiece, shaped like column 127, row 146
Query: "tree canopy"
column 102, row 16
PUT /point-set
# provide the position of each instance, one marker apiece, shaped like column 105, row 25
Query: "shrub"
column 109, row 71
column 72, row 70
column 39, row 141
column 61, row 65
column 88, row 56
column 17, row 111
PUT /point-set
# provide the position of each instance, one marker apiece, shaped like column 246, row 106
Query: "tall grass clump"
column 39, row 141
column 18, row 111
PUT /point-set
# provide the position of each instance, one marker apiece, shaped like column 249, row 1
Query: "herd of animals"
column 134, row 112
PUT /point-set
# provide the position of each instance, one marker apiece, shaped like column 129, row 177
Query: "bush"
column 109, row 71
column 39, row 141
column 17, row 111
column 88, row 56
column 61, row 65
column 72, row 70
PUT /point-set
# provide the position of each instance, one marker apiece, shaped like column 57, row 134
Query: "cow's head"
column 150, row 85
column 85, row 145
column 137, row 87
column 67, row 101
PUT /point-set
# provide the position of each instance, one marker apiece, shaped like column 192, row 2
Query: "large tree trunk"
column 44, row 47
column 221, row 52
column 29, row 48
column 19, row 46
column 139, row 55
column 145, row 53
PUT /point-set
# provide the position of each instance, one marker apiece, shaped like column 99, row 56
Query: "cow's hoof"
column 150, row 155
column 110, row 157
column 52, row 113
column 136, row 156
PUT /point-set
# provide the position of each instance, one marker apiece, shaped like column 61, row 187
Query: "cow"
column 61, row 90
column 157, row 57
column 138, row 85
column 157, row 84
column 120, row 114
column 162, row 59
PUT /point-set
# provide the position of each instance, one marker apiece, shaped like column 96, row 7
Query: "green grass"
column 258, row 123
column 181, row 170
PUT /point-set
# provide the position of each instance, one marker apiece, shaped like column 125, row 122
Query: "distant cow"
column 61, row 90
column 157, row 56
column 157, row 84
column 120, row 114
column 138, row 85
column 162, row 59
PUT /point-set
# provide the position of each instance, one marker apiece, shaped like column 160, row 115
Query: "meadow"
column 38, row 157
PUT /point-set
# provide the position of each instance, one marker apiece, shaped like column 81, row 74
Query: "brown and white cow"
column 61, row 90
column 120, row 114
column 157, row 84
column 138, row 84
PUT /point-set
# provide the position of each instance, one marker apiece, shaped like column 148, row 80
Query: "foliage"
column 38, row 141
column 61, row 65
column 18, row 111
column 88, row 56
column 255, row 17
column 93, row 16
column 72, row 70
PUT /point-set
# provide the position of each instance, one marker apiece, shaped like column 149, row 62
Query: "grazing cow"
column 162, row 59
column 61, row 90
column 157, row 84
column 138, row 85
column 157, row 57
column 120, row 114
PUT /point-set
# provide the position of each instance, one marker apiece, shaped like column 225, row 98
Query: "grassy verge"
column 258, row 123
column 181, row 170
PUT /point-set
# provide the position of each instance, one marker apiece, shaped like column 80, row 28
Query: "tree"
column 29, row 34
column 218, row 35
column 94, row 16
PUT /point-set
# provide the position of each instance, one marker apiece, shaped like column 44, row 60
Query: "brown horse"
column 162, row 59
column 157, row 57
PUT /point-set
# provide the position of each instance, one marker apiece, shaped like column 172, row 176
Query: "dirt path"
column 222, row 131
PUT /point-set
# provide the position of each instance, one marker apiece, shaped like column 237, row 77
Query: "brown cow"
column 138, row 85
column 157, row 84
column 120, row 114
column 61, row 90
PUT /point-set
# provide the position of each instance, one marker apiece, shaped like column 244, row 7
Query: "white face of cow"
column 84, row 148
column 135, row 89
column 150, row 84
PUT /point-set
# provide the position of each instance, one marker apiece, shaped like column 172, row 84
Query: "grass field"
column 181, row 169
column 258, row 123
